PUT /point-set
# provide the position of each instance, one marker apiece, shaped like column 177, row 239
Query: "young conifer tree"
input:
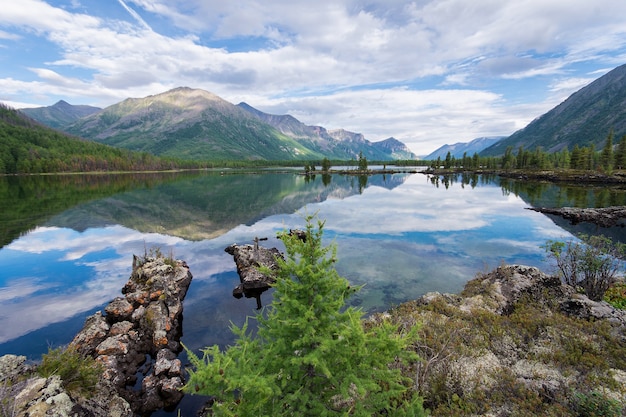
column 311, row 355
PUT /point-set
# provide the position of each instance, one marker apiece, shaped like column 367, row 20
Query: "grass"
column 78, row 374
column 533, row 360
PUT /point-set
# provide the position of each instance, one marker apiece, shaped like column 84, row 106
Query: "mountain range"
column 585, row 118
column 195, row 124
column 458, row 149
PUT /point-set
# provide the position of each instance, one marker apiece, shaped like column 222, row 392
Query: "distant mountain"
column 585, row 118
column 395, row 148
column 195, row 124
column 59, row 114
column 334, row 144
column 458, row 149
column 190, row 124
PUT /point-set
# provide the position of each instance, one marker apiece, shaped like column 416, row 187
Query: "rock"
column 501, row 289
column 507, row 331
column 12, row 366
column 122, row 341
column 93, row 333
column 140, row 334
column 604, row 217
column 33, row 396
column 119, row 309
column 248, row 259
column 582, row 307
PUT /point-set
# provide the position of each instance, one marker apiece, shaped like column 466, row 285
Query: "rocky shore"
column 604, row 217
column 516, row 341
column 136, row 341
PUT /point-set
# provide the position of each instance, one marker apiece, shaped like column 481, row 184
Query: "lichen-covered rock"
column 26, row 395
column 11, row 366
column 142, row 327
column 515, row 338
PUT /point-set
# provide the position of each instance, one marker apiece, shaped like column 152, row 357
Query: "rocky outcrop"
column 25, row 394
column 137, row 341
column 138, row 338
column 513, row 334
column 604, row 217
column 249, row 258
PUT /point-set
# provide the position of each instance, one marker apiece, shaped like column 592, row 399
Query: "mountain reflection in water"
column 68, row 241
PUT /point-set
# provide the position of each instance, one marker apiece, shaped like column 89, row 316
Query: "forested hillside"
column 583, row 120
column 28, row 147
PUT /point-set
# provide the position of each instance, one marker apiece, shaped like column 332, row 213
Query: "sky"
column 426, row 72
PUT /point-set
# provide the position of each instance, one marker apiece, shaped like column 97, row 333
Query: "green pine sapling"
column 311, row 355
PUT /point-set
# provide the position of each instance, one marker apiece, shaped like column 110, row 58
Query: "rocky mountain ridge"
column 332, row 142
column 60, row 114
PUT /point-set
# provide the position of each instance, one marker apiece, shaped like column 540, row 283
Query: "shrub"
column 591, row 264
column 595, row 404
column 78, row 374
column 312, row 355
column 616, row 295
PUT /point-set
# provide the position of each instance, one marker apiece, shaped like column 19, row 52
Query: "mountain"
column 334, row 144
column 190, row 124
column 59, row 114
column 395, row 148
column 195, row 124
column 458, row 149
column 585, row 118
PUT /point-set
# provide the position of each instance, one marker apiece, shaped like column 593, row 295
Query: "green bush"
column 591, row 264
column 78, row 374
column 595, row 404
column 616, row 295
column 312, row 355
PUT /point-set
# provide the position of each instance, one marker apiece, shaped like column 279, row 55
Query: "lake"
column 68, row 241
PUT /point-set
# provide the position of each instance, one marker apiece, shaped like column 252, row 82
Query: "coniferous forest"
column 26, row 147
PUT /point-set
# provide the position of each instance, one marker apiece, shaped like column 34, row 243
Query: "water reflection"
column 68, row 245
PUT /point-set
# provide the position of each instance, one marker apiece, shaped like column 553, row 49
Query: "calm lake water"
column 68, row 241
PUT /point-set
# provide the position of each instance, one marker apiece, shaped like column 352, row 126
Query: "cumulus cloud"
column 345, row 58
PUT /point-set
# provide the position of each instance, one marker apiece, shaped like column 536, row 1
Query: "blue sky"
column 427, row 72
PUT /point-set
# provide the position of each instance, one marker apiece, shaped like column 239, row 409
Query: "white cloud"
column 336, row 57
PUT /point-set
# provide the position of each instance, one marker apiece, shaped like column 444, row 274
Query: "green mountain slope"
column 585, row 118
column 191, row 124
column 59, row 114
column 28, row 147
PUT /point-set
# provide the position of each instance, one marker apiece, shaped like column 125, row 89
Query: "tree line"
column 585, row 158
column 27, row 147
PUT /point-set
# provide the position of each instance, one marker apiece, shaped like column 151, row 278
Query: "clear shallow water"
column 399, row 235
